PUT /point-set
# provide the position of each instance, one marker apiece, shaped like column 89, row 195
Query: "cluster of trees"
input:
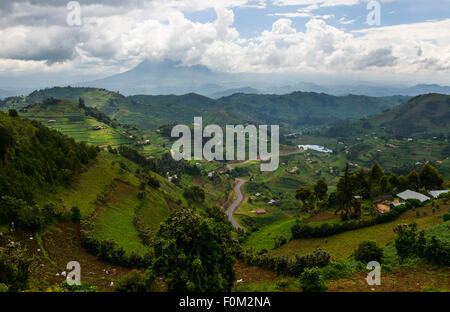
column 95, row 113
column 367, row 184
column 195, row 253
column 14, row 268
column 195, row 194
column 300, row 230
column 409, row 243
column 309, row 197
column 33, row 158
column 284, row 265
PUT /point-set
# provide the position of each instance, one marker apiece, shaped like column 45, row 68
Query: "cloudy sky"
column 320, row 37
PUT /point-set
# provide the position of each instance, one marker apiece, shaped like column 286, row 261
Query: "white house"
column 435, row 194
column 408, row 194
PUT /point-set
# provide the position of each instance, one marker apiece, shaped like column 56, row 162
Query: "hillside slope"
column 82, row 123
column 295, row 110
column 424, row 116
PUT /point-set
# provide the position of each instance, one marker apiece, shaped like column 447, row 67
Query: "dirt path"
column 236, row 204
column 239, row 194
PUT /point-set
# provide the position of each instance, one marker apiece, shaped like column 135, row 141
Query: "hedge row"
column 285, row 266
column 109, row 250
column 325, row 230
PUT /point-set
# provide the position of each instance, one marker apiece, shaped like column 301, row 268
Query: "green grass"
column 264, row 238
column 342, row 245
column 114, row 220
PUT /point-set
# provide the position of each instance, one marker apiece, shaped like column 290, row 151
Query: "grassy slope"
column 114, row 216
column 73, row 121
column 342, row 245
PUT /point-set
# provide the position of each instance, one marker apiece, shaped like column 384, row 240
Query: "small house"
column 260, row 212
column 408, row 194
column 436, row 194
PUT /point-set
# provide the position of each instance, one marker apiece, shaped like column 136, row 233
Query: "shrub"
column 75, row 215
column 406, row 240
column 368, row 251
column 312, row 281
column 446, row 217
column 14, row 267
column 83, row 288
column 336, row 270
column 153, row 183
column 280, row 241
column 136, row 282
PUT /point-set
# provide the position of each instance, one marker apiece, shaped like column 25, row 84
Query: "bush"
column 75, row 215
column 83, row 288
column 284, row 265
column 446, row 217
column 280, row 241
column 14, row 267
column 336, row 270
column 368, row 251
column 136, row 282
column 406, row 240
column 153, row 183
column 311, row 281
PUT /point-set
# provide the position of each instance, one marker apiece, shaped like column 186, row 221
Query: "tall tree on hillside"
column 430, row 178
column 6, row 141
column 345, row 194
column 413, row 180
column 320, row 189
column 304, row 194
column 194, row 253
column 376, row 173
column 81, row 103
column 394, row 181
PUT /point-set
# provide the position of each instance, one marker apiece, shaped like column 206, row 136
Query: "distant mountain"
column 229, row 92
column 295, row 110
column 424, row 116
column 169, row 77
column 301, row 109
column 166, row 77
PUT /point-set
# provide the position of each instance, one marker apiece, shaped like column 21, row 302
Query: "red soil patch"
column 254, row 274
column 403, row 280
column 322, row 216
column 63, row 246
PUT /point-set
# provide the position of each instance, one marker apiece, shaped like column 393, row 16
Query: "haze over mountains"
column 169, row 77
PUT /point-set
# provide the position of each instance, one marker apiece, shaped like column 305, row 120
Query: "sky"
column 58, row 41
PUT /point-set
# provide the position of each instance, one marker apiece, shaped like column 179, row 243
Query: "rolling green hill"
column 295, row 110
column 82, row 123
column 425, row 116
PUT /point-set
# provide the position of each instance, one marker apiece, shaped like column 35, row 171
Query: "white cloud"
column 113, row 40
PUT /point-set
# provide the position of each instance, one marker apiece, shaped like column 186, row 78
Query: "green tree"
column 393, row 180
column 6, row 141
column 403, row 183
column 430, row 178
column 345, row 194
column 368, row 251
column 384, row 185
column 136, row 282
column 312, row 281
column 14, row 266
column 195, row 193
column 413, row 180
column 13, row 113
column 320, row 189
column 405, row 242
column 194, row 253
column 304, row 194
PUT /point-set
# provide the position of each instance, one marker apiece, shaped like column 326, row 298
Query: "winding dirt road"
column 239, row 195
column 235, row 205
